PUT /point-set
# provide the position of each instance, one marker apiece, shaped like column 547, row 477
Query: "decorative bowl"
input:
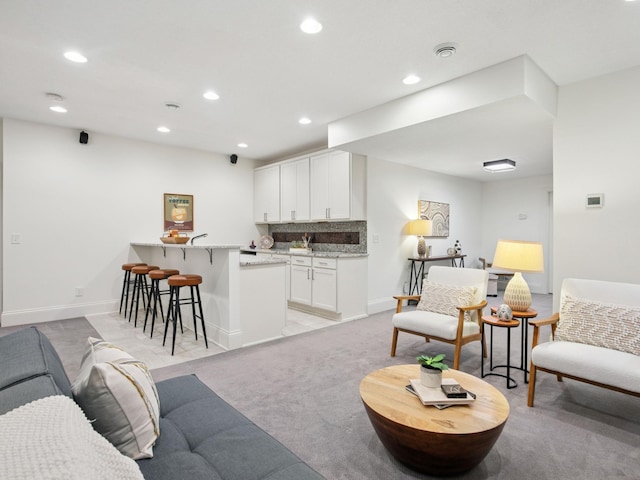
column 180, row 240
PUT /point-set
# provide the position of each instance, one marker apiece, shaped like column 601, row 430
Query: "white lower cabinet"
column 334, row 288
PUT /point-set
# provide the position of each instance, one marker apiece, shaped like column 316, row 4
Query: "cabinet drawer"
column 298, row 260
column 325, row 263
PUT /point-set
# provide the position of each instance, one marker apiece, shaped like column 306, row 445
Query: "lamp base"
column 422, row 247
column 517, row 294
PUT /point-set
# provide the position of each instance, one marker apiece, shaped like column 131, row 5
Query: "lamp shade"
column 519, row 256
column 420, row 227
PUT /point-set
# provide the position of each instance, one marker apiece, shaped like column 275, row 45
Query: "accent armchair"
column 449, row 309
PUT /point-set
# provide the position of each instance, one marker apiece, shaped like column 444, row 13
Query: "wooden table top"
column 384, row 392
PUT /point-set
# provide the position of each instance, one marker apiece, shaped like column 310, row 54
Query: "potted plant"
column 431, row 370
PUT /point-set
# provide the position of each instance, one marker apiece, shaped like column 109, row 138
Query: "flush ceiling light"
column 58, row 109
column 210, row 95
column 311, row 26
column 76, row 57
column 304, row 121
column 504, row 165
column 163, row 129
column 444, row 50
column 410, row 79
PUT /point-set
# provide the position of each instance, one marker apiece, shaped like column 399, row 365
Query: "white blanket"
column 51, row 438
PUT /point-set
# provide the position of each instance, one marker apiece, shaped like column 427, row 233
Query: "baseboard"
column 383, row 305
column 50, row 314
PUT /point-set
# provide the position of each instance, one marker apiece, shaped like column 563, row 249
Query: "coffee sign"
column 178, row 212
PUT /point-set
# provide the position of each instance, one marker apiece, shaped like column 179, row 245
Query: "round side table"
column 524, row 318
column 508, row 324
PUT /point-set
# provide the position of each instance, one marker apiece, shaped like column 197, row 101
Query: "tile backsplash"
column 347, row 237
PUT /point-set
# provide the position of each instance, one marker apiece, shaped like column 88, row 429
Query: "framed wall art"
column 438, row 213
column 178, row 212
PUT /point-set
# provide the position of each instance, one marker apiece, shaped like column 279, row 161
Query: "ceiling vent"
column 445, row 50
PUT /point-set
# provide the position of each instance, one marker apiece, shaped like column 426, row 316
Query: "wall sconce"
column 518, row 256
column 421, row 228
column 504, row 165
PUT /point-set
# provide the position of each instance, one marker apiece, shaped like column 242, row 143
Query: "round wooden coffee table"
column 437, row 442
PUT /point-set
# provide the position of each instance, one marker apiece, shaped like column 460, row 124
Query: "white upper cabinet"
column 338, row 182
column 266, row 194
column 328, row 185
column 294, row 191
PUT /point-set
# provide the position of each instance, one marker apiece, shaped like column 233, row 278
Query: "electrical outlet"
column 376, row 238
column 79, row 291
column 15, row 238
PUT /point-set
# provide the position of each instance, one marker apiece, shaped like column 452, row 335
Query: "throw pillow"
column 52, row 438
column 120, row 397
column 600, row 324
column 444, row 299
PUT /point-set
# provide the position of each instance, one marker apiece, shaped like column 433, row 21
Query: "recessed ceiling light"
column 75, row 57
column 304, row 121
column 243, row 145
column 410, row 79
column 311, row 26
column 58, row 109
column 210, row 95
column 163, row 129
column 445, row 50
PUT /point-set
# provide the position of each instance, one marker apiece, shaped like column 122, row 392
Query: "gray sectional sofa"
column 201, row 436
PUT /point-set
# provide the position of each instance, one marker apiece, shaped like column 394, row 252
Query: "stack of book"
column 450, row 393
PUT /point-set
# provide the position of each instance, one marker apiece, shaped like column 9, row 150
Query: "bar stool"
column 126, row 285
column 156, row 293
column 140, row 285
column 176, row 282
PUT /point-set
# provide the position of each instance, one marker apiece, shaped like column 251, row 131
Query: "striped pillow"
column 600, row 324
column 445, row 299
column 120, row 397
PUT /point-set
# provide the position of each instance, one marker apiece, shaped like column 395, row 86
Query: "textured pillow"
column 600, row 324
column 120, row 397
column 444, row 299
column 51, row 438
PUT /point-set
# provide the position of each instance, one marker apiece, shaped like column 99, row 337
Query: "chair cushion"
column 444, row 299
column 433, row 324
column 620, row 369
column 119, row 395
column 600, row 324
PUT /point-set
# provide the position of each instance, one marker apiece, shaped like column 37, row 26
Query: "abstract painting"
column 438, row 213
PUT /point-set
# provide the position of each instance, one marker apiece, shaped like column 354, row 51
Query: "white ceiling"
column 143, row 54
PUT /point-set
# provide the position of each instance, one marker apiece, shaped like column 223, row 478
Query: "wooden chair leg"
column 394, row 342
column 484, row 349
column 456, row 356
column 559, row 377
column 532, row 385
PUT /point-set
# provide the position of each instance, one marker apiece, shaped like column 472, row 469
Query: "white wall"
column 518, row 210
column 77, row 207
column 393, row 192
column 597, row 150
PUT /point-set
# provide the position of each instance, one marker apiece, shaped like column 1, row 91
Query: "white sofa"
column 595, row 337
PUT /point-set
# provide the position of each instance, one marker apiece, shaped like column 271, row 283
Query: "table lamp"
column 421, row 228
column 518, row 256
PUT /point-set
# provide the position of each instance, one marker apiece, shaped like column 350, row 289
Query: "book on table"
column 436, row 396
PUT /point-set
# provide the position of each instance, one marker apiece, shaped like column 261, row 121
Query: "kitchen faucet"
column 198, row 236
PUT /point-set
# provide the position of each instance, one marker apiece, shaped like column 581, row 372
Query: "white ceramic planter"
column 430, row 377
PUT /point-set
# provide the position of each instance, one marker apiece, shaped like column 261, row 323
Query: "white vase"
column 430, row 377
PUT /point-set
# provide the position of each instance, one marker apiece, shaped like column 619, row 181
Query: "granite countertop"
column 185, row 245
column 249, row 260
column 310, row 254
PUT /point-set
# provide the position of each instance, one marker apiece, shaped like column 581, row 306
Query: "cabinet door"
column 324, row 292
column 301, row 284
column 319, row 186
column 294, row 191
column 331, row 186
column 339, row 185
column 266, row 189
